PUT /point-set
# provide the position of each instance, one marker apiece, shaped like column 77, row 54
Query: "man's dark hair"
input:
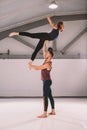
column 51, row 51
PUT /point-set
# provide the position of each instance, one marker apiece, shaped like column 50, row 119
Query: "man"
column 47, row 82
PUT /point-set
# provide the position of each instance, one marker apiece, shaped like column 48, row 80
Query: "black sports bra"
column 54, row 34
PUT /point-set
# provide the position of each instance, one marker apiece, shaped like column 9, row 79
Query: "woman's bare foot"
column 13, row 34
column 30, row 63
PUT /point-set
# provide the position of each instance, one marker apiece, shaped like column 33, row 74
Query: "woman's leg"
column 44, row 36
column 35, row 35
column 37, row 49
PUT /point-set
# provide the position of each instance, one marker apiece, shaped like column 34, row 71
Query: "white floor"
column 21, row 114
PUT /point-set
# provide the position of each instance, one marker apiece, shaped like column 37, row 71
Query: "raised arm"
column 52, row 24
column 44, row 49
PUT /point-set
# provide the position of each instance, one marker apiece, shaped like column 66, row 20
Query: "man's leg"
column 52, row 103
column 45, row 98
column 45, row 104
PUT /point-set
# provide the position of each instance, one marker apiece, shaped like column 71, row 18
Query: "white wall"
column 69, row 78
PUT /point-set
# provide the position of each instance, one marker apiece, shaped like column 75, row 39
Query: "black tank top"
column 54, row 34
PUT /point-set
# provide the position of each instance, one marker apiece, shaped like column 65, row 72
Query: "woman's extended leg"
column 44, row 36
column 41, row 36
column 35, row 35
column 32, row 35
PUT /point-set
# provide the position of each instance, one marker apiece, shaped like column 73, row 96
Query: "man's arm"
column 41, row 67
column 44, row 49
column 52, row 24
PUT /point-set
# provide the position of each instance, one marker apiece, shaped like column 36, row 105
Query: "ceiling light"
column 53, row 5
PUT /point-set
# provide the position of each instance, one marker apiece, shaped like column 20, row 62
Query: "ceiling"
column 13, row 12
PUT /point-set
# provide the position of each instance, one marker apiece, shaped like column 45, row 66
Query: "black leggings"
column 47, row 93
column 41, row 36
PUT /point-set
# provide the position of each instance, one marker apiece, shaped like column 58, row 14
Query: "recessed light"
column 53, row 5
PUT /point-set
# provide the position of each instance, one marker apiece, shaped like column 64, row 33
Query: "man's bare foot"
column 42, row 116
column 52, row 113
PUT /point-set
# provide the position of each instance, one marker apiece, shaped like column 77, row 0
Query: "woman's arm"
column 53, row 25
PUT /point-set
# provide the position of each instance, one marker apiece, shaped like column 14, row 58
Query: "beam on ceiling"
column 73, row 41
column 42, row 22
column 24, row 42
column 56, row 56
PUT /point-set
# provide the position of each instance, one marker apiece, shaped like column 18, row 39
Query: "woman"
column 42, row 36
